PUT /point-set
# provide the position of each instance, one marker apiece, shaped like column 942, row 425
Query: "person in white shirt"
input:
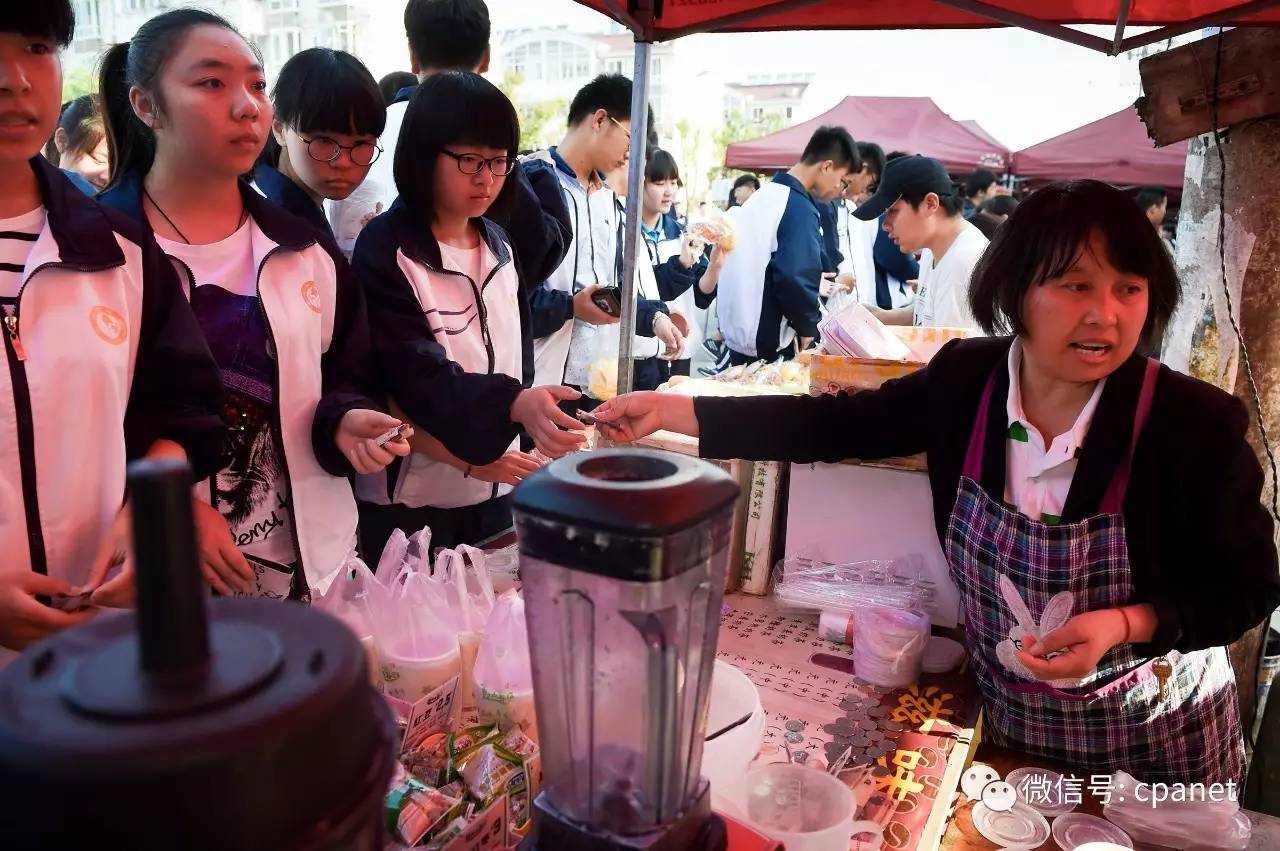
column 923, row 214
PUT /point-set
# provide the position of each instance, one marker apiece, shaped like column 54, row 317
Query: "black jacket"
column 1200, row 542
column 347, row 377
column 283, row 192
column 468, row 412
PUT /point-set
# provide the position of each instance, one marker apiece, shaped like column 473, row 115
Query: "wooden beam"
column 1026, row 22
column 1179, row 83
column 1222, row 17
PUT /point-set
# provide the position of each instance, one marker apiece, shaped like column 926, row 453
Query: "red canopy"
column 911, row 124
column 661, row 20
column 1115, row 149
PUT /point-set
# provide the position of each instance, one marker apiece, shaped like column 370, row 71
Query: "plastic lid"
column 1043, row 790
column 1017, row 828
column 1077, row 830
column 605, row 511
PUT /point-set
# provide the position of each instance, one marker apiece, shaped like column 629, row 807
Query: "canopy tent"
column 982, row 132
column 912, row 124
column 1115, row 149
column 662, row 20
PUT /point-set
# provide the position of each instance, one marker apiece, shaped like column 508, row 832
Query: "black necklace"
column 244, row 212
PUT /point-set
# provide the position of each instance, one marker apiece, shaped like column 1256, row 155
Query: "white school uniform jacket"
column 317, row 327
column 102, row 358
column 453, row 352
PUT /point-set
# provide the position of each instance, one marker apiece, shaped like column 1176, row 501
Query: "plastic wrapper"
column 889, row 644
column 1195, row 825
column 460, row 593
column 717, row 229
column 436, row 760
column 804, row 585
column 415, row 810
column 488, row 770
column 503, row 673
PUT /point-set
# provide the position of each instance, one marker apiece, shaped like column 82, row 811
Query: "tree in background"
column 738, row 127
column 540, row 123
column 77, row 82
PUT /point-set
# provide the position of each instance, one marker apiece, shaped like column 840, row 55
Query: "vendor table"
column 908, row 786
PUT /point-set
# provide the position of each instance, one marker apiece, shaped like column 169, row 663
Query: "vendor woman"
column 1099, row 512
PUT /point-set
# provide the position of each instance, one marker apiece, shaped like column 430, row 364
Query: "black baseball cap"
column 914, row 175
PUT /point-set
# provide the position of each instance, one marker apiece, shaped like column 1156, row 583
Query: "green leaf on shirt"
column 1050, row 519
column 1018, row 432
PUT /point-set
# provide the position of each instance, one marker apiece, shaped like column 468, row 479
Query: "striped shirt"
column 17, row 236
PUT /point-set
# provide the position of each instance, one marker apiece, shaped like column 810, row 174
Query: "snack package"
column 519, row 744
column 717, row 229
column 488, row 770
column 602, row 378
column 414, row 810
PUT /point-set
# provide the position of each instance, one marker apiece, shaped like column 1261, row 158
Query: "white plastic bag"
column 357, row 599
column 461, row 595
column 418, row 652
column 1202, row 824
column 391, row 562
column 503, row 673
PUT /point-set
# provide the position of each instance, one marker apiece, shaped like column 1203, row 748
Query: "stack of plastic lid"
column 1020, row 828
column 1075, row 831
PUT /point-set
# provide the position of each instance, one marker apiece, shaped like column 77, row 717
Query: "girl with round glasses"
column 328, row 116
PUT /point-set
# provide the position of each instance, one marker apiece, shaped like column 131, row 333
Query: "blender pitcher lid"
column 630, row 495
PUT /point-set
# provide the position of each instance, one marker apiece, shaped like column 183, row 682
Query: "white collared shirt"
column 1037, row 479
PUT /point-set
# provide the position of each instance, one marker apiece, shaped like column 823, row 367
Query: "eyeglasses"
column 620, row 127
column 325, row 150
column 474, row 163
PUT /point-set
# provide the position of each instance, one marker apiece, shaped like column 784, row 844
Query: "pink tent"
column 915, row 125
column 1115, row 149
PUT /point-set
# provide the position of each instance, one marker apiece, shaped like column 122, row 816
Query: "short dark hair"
column 872, row 156
column 1045, row 235
column 661, row 166
column 74, row 112
column 322, row 89
column 832, row 143
column 392, row 83
column 610, row 92
column 895, row 155
column 449, row 35
column 978, row 181
column 51, row 19
column 747, row 180
column 952, row 205
column 452, row 108
column 1151, row 196
column 1000, row 205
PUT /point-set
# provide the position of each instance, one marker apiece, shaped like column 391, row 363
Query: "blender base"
column 698, row 828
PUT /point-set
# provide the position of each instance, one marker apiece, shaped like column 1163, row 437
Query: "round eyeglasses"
column 473, row 163
column 325, row 150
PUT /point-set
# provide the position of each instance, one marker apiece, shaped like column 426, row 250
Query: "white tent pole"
column 631, row 229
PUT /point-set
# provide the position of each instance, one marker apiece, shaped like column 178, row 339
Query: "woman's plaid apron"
column 1008, row 568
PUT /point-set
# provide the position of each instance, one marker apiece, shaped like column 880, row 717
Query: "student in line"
column 922, row 214
column 686, row 278
column 769, row 287
column 453, row 35
column 79, row 145
column 324, row 138
column 444, row 289
column 856, row 279
column 104, row 362
column 597, row 142
column 187, row 115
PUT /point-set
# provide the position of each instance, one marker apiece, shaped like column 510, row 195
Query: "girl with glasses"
column 328, row 116
column 187, row 115
column 449, row 310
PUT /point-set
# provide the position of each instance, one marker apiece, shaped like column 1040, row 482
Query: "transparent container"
column 623, row 558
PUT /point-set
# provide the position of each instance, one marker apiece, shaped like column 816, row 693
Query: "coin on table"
column 800, row 757
column 881, row 771
column 869, row 724
column 893, row 726
column 795, row 726
column 793, row 737
column 859, row 681
column 875, row 752
column 876, row 735
column 877, row 711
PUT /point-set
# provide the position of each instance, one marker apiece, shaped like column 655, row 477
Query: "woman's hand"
column 1079, row 644
column 222, row 564
column 357, row 440
column 553, row 431
column 510, row 469
column 665, row 330
column 628, row 418
column 24, row 619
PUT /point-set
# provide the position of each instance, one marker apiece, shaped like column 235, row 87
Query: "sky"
column 1021, row 86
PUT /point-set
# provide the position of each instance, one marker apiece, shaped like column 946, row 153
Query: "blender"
column 623, row 553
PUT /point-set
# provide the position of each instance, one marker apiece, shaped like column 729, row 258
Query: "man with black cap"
column 923, row 213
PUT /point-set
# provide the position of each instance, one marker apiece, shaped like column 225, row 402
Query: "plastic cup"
column 411, row 671
column 507, row 708
column 806, row 809
column 468, row 647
